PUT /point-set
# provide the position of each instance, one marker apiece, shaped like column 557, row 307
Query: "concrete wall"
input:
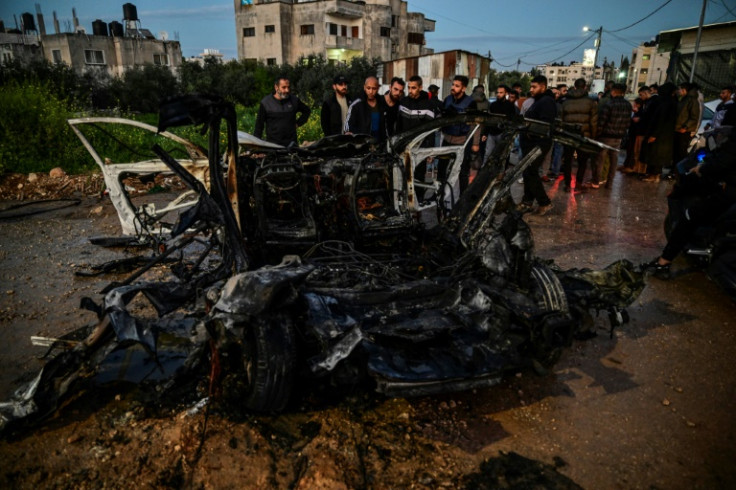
column 119, row 54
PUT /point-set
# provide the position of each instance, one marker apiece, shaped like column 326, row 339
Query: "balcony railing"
column 344, row 42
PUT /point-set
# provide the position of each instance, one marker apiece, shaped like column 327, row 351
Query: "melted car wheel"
column 550, row 294
column 555, row 330
column 269, row 357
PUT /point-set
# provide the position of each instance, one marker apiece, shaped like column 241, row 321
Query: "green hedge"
column 34, row 134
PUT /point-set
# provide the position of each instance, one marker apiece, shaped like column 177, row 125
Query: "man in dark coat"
column 277, row 113
column 544, row 109
column 335, row 107
column 660, row 131
column 614, row 120
column 578, row 109
column 367, row 113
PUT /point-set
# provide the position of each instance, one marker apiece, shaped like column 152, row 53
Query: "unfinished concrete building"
column 282, row 31
column 111, row 47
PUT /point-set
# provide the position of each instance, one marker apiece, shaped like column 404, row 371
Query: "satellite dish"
column 163, row 35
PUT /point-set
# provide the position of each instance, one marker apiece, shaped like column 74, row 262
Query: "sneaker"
column 654, row 268
column 542, row 210
column 593, row 185
column 524, row 207
column 651, row 178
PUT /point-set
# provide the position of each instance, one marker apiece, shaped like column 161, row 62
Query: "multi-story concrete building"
column 440, row 68
column 282, row 31
column 113, row 47
column 647, row 66
column 558, row 73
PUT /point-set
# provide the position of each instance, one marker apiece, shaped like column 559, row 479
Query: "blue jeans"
column 554, row 166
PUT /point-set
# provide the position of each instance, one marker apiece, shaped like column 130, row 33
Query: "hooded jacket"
column 581, row 109
column 331, row 116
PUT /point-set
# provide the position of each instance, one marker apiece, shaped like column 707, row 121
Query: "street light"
column 597, row 45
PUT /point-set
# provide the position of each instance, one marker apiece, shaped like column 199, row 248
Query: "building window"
column 94, row 57
column 385, row 32
column 270, row 61
column 271, row 28
column 56, row 55
column 344, row 31
column 645, row 57
column 644, row 71
column 249, row 31
column 332, row 28
column 356, row 32
column 161, row 59
column 306, row 29
column 394, row 21
column 415, row 38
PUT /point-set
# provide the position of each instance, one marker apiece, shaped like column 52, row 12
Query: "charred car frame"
column 321, row 262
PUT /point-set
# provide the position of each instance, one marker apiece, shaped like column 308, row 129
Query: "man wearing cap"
column 335, row 107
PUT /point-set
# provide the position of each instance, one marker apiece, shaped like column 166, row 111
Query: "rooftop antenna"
column 41, row 23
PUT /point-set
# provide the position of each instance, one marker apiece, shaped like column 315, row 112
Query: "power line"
column 724, row 6
column 573, row 49
column 644, row 18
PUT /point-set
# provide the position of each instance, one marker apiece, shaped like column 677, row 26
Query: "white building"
column 282, row 31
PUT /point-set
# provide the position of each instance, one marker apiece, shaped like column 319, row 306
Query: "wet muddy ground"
column 651, row 407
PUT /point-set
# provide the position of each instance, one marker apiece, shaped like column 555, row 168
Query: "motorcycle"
column 712, row 245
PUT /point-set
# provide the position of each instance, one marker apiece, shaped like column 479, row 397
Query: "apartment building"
column 558, row 73
column 112, row 47
column 647, row 66
column 282, row 31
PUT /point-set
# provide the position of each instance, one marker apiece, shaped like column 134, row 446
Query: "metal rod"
column 697, row 41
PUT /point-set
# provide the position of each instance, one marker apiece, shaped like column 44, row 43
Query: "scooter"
column 712, row 246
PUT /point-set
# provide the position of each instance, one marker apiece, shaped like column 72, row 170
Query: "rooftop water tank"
column 99, row 28
column 130, row 12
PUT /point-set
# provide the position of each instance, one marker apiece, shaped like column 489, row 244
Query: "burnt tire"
column 548, row 289
column 269, row 360
column 556, row 328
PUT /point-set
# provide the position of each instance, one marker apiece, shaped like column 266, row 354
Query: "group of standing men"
column 382, row 115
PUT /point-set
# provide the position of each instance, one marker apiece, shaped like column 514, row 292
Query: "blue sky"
column 535, row 31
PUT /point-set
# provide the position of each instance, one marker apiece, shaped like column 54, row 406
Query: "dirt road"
column 651, row 407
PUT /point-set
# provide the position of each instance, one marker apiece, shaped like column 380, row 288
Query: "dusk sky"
column 535, row 31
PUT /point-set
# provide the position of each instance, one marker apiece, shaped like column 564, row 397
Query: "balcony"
column 345, row 9
column 342, row 42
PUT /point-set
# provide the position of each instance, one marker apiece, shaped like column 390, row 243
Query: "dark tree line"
column 142, row 89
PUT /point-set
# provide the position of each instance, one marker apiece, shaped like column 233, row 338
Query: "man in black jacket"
column 544, row 109
column 367, row 113
column 335, row 107
column 278, row 113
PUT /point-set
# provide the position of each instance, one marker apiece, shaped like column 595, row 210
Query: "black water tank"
column 28, row 23
column 116, row 29
column 130, row 12
column 99, row 28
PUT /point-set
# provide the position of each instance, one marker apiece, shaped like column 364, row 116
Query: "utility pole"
column 697, row 41
column 518, row 62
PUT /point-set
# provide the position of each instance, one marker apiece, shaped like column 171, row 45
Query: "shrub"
column 34, row 133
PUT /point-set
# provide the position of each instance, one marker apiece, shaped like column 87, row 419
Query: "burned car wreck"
column 334, row 262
